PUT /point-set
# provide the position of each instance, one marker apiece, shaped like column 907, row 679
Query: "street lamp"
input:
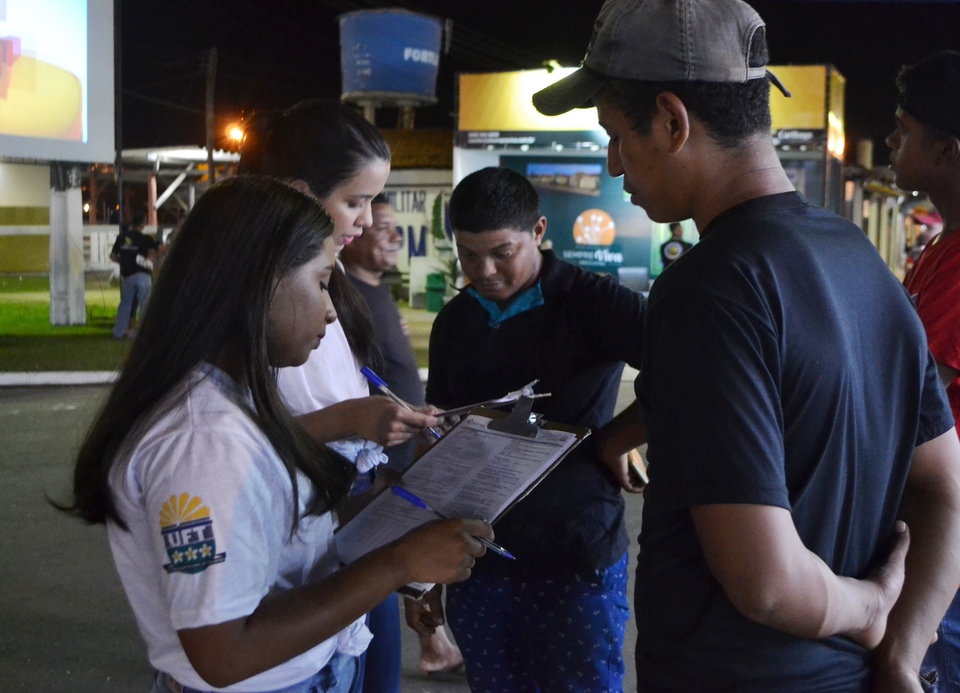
column 235, row 133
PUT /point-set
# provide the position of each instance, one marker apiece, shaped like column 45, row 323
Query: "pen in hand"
column 420, row 503
column 381, row 385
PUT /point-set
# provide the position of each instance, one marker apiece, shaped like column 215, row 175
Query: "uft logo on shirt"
column 188, row 535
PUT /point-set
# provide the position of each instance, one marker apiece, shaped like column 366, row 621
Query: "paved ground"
column 64, row 622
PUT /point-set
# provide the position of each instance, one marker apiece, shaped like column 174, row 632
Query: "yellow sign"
column 816, row 103
column 806, row 109
column 501, row 101
column 836, row 140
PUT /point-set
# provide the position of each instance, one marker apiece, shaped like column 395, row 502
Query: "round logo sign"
column 672, row 250
column 594, row 227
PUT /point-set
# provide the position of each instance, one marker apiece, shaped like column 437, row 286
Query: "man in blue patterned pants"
column 553, row 619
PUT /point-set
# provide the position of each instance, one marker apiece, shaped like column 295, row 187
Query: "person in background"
column 792, row 410
column 925, row 156
column 675, row 247
column 554, row 619
column 930, row 226
column 218, row 505
column 134, row 251
column 328, row 151
column 155, row 261
column 365, row 260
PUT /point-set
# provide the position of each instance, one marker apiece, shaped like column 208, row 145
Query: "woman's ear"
column 301, row 185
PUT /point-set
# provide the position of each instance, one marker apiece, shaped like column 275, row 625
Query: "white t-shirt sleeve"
column 331, row 374
column 222, row 508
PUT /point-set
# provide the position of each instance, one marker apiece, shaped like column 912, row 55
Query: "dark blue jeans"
column 341, row 675
column 135, row 288
column 940, row 671
column 381, row 663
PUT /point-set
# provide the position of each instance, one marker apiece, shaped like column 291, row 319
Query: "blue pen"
column 379, row 383
column 419, row 502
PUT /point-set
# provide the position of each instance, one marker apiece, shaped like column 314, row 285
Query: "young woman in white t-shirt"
column 330, row 152
column 218, row 505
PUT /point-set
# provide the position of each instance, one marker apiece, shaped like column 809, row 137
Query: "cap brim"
column 576, row 90
column 775, row 81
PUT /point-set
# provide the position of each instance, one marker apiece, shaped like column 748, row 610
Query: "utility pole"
column 211, row 81
column 117, row 115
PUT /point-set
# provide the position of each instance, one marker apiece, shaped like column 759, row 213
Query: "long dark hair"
column 211, row 302
column 325, row 144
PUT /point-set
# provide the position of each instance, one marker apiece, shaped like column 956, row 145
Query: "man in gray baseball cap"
column 792, row 409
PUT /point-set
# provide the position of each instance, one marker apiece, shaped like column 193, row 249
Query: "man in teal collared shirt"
column 553, row 619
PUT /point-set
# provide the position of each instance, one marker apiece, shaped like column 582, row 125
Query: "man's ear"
column 672, row 119
column 950, row 150
column 301, row 185
column 539, row 229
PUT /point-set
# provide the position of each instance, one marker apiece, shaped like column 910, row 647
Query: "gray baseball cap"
column 662, row 41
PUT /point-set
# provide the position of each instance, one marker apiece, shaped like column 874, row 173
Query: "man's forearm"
column 810, row 601
column 622, row 433
column 772, row 578
column 931, row 507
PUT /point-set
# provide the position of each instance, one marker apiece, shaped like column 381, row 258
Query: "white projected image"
column 43, row 68
column 56, row 80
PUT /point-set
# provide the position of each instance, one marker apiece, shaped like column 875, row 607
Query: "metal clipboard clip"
column 509, row 398
column 520, row 421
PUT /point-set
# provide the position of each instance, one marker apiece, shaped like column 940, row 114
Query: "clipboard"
column 481, row 469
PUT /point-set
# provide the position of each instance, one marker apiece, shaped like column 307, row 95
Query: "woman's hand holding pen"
column 442, row 551
column 375, row 418
column 428, row 437
column 378, row 383
column 446, row 422
column 385, row 422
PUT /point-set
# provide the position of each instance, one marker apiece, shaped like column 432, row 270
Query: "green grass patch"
column 421, row 354
column 32, row 319
column 20, row 283
column 94, row 283
column 62, row 353
column 29, row 343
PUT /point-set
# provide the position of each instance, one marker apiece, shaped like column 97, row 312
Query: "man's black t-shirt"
column 783, row 365
column 129, row 246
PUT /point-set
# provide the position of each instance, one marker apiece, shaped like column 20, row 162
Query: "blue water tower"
column 389, row 58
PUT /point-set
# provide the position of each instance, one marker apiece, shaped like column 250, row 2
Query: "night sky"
column 271, row 54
